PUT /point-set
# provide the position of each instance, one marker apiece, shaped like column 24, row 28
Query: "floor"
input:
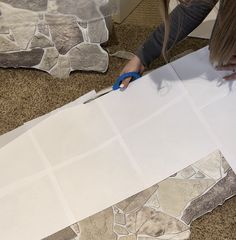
column 27, row 94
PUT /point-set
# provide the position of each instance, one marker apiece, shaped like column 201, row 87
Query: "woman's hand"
column 231, row 66
column 134, row 65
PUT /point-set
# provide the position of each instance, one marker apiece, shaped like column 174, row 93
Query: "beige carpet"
column 27, row 94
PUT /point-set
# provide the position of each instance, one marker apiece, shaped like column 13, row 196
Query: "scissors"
column 117, row 85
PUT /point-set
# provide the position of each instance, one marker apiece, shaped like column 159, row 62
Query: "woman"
column 188, row 15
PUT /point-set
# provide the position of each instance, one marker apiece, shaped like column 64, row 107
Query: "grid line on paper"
column 86, row 154
column 56, row 185
column 158, row 112
column 10, row 188
column 200, row 115
column 121, row 140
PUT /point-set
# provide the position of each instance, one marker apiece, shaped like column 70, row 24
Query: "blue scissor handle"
column 121, row 78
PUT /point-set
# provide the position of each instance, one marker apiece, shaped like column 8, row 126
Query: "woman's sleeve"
column 183, row 20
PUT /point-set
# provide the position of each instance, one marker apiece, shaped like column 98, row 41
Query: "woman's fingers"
column 125, row 83
column 230, row 77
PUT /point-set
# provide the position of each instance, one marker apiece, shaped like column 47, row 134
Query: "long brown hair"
column 223, row 39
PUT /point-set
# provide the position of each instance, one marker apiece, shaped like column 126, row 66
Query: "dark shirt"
column 183, row 20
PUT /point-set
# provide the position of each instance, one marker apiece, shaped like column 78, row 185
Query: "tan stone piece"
column 188, row 172
column 211, row 165
column 160, row 224
column 6, row 45
column 143, row 216
column 180, row 192
column 130, row 237
column 120, row 219
column 99, row 226
column 131, row 222
column 120, row 230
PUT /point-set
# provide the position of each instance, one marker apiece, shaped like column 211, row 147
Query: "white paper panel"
column 99, row 180
column 72, row 132
column 31, row 212
column 221, row 116
column 19, row 160
column 169, row 141
column 146, row 96
column 202, row 81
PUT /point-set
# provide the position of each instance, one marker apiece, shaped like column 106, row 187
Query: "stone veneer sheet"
column 163, row 211
column 55, row 36
column 113, row 148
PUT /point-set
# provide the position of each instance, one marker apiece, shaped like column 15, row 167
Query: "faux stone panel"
column 65, row 31
column 165, row 211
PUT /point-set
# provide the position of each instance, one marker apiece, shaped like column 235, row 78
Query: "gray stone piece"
column 120, row 219
column 33, row 5
column 108, row 9
column 65, row 32
column 62, row 68
column 40, row 41
column 176, row 236
column 49, row 60
column 97, row 31
column 80, row 8
column 21, row 59
column 65, row 234
column 43, row 28
column 89, row 57
column 217, row 195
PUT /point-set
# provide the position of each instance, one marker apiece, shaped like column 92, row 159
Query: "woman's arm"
column 183, row 20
